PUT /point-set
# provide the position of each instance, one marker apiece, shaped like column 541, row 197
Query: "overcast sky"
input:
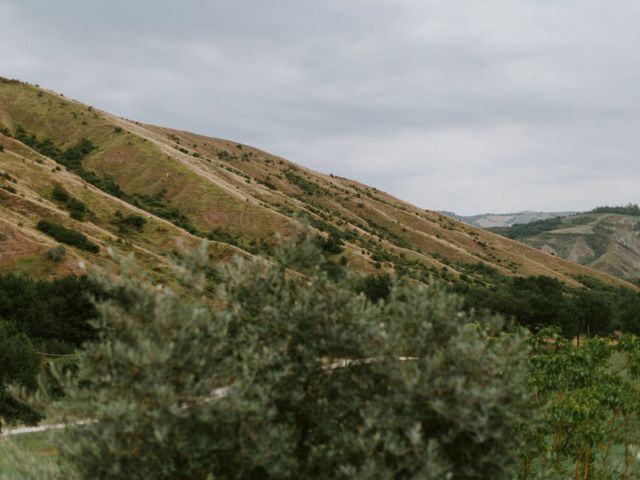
column 464, row 105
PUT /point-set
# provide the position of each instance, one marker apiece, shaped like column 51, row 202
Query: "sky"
column 462, row 105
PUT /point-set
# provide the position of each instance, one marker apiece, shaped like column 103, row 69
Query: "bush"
column 296, row 377
column 128, row 222
column 59, row 193
column 67, row 236
column 76, row 208
column 56, row 253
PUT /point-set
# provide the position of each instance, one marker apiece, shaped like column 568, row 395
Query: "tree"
column 591, row 396
column 295, row 376
column 19, row 366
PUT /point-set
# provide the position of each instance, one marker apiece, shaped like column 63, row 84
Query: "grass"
column 146, row 160
column 27, row 453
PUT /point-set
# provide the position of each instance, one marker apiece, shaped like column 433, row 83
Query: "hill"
column 138, row 188
column 602, row 239
column 491, row 220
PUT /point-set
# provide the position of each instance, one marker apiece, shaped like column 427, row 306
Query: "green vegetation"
column 19, row 366
column 523, row 230
column 296, row 378
column 38, row 317
column 629, row 209
column 72, row 158
column 76, row 208
column 267, row 183
column 310, row 188
column 27, row 456
column 602, row 239
column 56, row 253
column 126, row 223
column 589, row 399
column 539, row 302
column 407, row 373
column 157, row 205
column 8, row 178
column 261, row 246
column 67, row 236
column 331, row 374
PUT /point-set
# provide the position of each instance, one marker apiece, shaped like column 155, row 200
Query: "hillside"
column 492, row 220
column 609, row 242
column 145, row 186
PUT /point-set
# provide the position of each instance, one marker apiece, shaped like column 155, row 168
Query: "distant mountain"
column 607, row 239
column 490, row 220
column 72, row 174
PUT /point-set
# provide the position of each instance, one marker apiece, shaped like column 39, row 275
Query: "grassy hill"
column 602, row 239
column 187, row 186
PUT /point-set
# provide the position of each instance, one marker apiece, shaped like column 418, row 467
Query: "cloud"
column 469, row 106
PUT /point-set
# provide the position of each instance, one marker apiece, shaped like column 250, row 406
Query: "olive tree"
column 289, row 375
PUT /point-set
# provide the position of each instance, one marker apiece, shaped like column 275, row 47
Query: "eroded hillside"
column 608, row 242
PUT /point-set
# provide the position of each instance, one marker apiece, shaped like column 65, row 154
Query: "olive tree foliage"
column 294, row 376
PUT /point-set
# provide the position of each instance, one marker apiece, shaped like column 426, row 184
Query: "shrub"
column 331, row 245
column 76, row 208
column 59, row 193
column 296, row 377
column 128, row 222
column 67, row 236
column 56, row 253
column 308, row 187
column 8, row 177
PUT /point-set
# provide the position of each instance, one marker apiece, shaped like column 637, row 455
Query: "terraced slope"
column 189, row 186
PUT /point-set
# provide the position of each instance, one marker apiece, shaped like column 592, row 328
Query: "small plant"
column 56, row 254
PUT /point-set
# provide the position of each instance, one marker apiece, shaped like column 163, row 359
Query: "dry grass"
column 217, row 183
